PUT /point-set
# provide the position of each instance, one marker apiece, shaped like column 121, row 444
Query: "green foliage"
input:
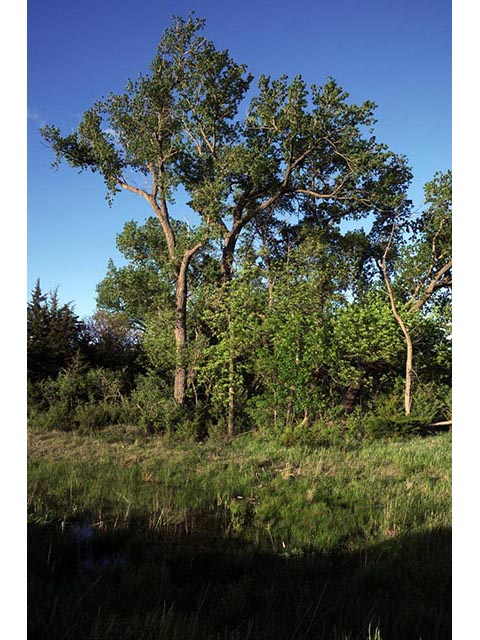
column 290, row 351
column 158, row 342
column 429, row 253
column 366, row 347
column 132, row 290
column 431, row 331
column 416, row 266
column 78, row 398
column 152, row 408
column 322, row 433
column 232, row 315
column 391, row 426
column 58, row 415
column 432, row 402
column 88, row 416
column 54, row 334
column 96, row 415
column 286, row 323
column 147, row 281
column 317, row 345
column 112, row 343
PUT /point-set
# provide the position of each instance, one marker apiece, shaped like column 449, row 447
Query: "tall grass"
column 249, row 539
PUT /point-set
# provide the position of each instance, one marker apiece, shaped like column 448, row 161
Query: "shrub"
column 381, row 426
column 58, row 416
column 151, row 407
column 433, row 402
column 321, row 433
column 93, row 415
column 78, row 397
column 190, row 429
column 87, row 417
column 386, row 417
column 262, row 413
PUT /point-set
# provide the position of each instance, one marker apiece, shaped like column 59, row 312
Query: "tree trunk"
column 180, row 329
column 407, row 396
column 408, row 372
column 350, row 397
column 231, row 399
column 228, row 251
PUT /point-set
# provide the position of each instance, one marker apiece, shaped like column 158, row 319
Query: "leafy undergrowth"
column 134, row 537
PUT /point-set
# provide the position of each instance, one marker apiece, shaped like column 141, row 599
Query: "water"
column 91, row 559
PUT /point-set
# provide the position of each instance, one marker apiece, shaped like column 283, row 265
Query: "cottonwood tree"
column 173, row 126
column 146, row 282
column 419, row 271
column 298, row 150
column 311, row 153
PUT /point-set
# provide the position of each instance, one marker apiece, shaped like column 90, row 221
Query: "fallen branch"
column 443, row 423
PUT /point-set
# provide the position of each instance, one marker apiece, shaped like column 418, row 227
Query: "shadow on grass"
column 136, row 584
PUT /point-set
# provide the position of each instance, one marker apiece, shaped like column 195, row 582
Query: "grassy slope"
column 248, row 539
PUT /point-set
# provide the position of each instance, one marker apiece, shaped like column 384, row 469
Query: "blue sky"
column 396, row 53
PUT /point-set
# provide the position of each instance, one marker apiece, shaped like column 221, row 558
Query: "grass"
column 249, row 539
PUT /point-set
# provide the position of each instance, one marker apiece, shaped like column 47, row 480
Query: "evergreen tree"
column 54, row 334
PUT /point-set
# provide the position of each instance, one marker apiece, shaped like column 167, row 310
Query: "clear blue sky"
column 394, row 52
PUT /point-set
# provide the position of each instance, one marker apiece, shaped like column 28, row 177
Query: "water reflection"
column 91, row 559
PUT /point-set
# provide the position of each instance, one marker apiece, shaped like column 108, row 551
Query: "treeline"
column 301, row 340
column 310, row 299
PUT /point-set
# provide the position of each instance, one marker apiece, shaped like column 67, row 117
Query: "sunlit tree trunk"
column 180, row 329
column 231, row 399
column 407, row 394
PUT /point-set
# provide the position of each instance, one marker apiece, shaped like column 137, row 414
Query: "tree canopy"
column 278, row 278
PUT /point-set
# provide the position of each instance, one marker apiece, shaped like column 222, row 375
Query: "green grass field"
column 143, row 537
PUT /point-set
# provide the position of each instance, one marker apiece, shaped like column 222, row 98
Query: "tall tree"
column 175, row 126
column 297, row 150
column 143, row 290
column 417, row 271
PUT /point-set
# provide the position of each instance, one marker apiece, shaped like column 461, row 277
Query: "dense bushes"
column 89, row 399
column 292, row 360
column 78, row 398
column 151, row 407
column 86, row 398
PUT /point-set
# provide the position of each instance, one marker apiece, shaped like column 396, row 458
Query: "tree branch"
column 437, row 282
